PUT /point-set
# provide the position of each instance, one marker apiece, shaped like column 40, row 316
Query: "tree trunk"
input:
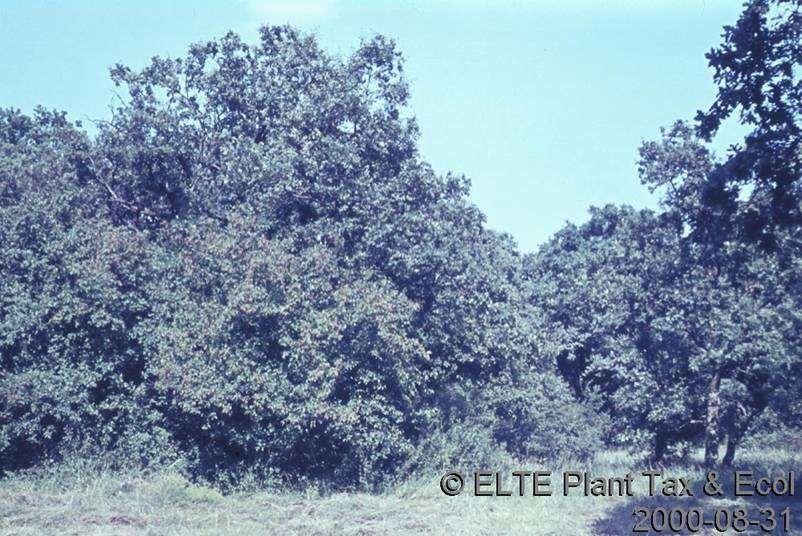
column 660, row 444
column 712, row 438
column 732, row 444
column 734, row 437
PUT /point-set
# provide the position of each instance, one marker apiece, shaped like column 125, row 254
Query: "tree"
column 321, row 151
column 742, row 303
column 664, row 343
column 293, row 284
column 602, row 288
column 748, row 205
column 757, row 70
column 757, row 188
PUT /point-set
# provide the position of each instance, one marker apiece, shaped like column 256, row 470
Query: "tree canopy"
column 251, row 267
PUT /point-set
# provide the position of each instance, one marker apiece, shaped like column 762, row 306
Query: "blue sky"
column 542, row 104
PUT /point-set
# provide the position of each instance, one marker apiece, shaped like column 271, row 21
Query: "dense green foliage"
column 641, row 324
column 250, row 268
column 757, row 70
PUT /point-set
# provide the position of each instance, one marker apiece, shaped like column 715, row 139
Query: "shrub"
column 531, row 418
column 536, row 416
column 267, row 356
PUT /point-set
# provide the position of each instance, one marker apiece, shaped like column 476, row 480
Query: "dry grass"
column 74, row 502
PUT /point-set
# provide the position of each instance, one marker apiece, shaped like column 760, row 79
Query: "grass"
column 64, row 501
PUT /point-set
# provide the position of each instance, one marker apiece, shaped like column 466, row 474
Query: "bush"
column 281, row 358
column 463, row 446
column 536, row 416
column 533, row 418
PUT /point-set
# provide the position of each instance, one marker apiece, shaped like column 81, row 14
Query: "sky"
column 542, row 104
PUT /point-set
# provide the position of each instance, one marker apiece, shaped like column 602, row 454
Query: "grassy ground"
column 165, row 504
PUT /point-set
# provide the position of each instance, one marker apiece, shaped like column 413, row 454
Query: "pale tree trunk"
column 712, row 439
